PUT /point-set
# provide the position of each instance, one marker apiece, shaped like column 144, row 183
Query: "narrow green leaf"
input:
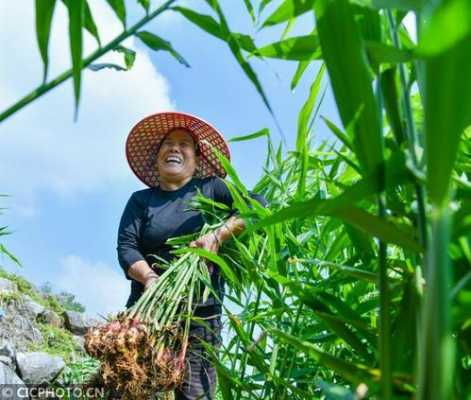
column 405, row 5
column 11, row 256
column 204, row 22
column 250, row 9
column 391, row 103
column 119, row 9
column 353, row 372
column 288, row 10
column 157, row 43
column 44, row 12
column 380, row 53
column 129, row 56
column 300, row 48
column 338, row 133
column 378, row 227
column 302, row 65
column 90, row 25
column 76, row 18
column 260, row 133
column 302, row 142
column 447, row 114
column 145, row 5
column 344, row 54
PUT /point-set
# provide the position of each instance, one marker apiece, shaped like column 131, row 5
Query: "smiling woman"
column 173, row 154
column 177, row 159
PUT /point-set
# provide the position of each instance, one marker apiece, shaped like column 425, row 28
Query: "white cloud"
column 99, row 287
column 41, row 148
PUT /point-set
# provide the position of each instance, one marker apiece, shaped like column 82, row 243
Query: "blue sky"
column 69, row 181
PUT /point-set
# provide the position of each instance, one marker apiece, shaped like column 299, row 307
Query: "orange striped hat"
column 145, row 137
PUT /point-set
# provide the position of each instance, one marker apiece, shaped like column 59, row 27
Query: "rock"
column 38, row 368
column 80, row 342
column 7, row 349
column 51, row 318
column 7, row 286
column 78, row 323
column 8, row 377
column 26, row 328
column 29, row 308
column 7, row 361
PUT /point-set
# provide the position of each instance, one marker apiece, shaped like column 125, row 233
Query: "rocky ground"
column 39, row 337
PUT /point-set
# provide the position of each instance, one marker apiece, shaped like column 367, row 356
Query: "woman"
column 172, row 154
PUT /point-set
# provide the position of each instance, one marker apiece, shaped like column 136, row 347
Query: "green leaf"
column 250, row 9
column 405, row 5
column 76, row 18
column 12, row 257
column 235, row 41
column 344, row 54
column 448, row 25
column 145, row 5
column 391, row 103
column 129, row 56
column 90, row 25
column 157, row 43
column 353, row 372
column 380, row 53
column 378, row 227
column 447, row 114
column 302, row 142
column 288, row 10
column 255, row 135
column 44, row 12
column 300, row 48
column 342, row 207
column 338, row 133
column 205, row 22
column 302, row 65
column 89, row 22
column 119, row 9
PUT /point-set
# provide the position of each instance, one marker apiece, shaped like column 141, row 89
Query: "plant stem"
column 410, row 133
column 39, row 91
column 436, row 362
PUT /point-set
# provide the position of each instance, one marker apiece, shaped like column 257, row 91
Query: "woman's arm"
column 129, row 254
column 141, row 272
column 213, row 240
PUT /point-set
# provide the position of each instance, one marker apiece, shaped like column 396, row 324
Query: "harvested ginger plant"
column 143, row 350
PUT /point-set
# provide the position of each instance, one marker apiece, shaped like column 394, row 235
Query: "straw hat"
column 145, row 137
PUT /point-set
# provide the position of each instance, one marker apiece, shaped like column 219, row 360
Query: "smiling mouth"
column 173, row 160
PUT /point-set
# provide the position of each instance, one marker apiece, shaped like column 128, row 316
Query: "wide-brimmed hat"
column 146, row 136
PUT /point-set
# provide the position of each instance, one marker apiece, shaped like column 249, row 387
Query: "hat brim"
column 145, row 137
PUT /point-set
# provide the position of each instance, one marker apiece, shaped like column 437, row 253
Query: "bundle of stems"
column 143, row 350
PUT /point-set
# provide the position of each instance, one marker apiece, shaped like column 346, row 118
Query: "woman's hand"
column 209, row 241
column 150, row 281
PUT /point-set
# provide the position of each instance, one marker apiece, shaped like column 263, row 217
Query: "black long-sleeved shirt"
column 154, row 215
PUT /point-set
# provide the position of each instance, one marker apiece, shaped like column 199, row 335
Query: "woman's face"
column 177, row 158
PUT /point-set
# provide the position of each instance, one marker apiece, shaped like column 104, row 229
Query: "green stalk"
column 385, row 361
column 437, row 359
column 251, row 331
column 40, row 90
column 410, row 133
